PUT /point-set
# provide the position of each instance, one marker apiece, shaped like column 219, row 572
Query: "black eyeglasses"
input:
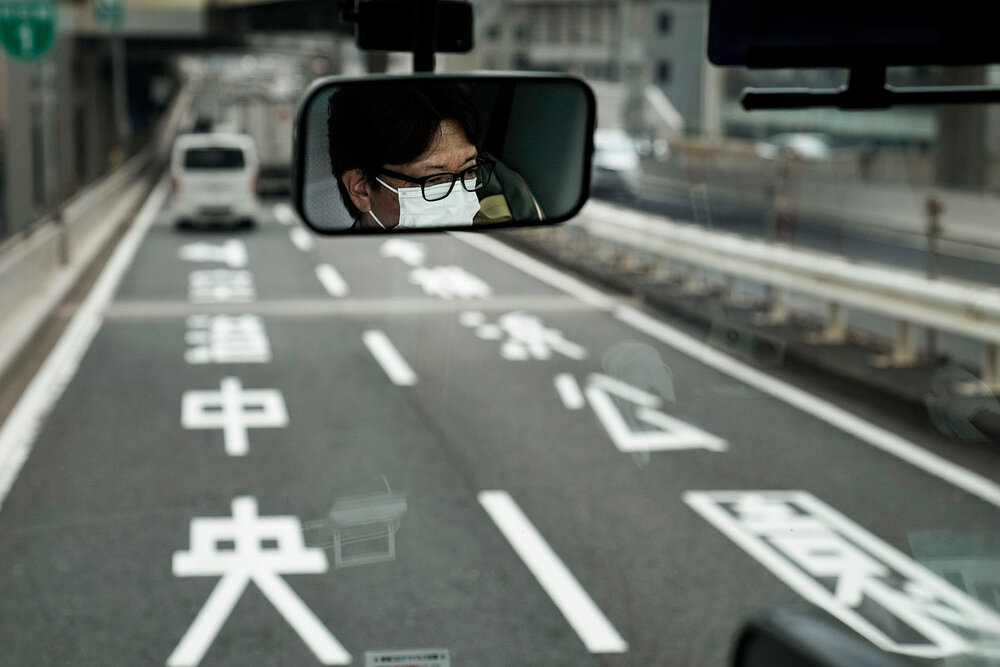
column 474, row 178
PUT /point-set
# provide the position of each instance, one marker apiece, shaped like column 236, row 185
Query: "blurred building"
column 646, row 58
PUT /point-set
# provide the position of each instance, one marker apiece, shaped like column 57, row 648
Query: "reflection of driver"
column 404, row 155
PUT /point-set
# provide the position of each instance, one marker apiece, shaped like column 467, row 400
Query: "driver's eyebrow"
column 443, row 167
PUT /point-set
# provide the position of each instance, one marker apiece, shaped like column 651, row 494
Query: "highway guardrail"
column 910, row 299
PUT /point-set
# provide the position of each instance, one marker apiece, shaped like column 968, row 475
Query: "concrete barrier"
column 37, row 271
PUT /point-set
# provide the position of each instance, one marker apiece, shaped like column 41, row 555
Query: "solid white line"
column 593, row 628
column 285, row 215
column 569, row 391
column 18, row 433
column 332, row 281
column 389, row 358
column 825, row 411
column 302, row 239
column 536, row 269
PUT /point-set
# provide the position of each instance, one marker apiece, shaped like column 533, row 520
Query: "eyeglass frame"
column 480, row 161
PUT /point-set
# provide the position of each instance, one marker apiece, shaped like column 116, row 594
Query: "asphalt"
column 114, row 480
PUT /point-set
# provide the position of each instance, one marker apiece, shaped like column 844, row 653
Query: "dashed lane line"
column 389, row 358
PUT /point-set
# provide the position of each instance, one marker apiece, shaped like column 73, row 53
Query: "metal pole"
column 119, row 82
column 425, row 23
column 935, row 208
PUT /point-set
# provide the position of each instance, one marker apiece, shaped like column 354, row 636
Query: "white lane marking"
column 285, row 214
column 19, row 431
column 593, row 628
column 302, row 239
column 389, row 358
column 827, row 412
column 537, row 269
column 332, row 281
column 569, row 391
column 839, row 418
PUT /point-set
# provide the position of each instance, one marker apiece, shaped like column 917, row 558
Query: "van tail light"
column 255, row 184
column 175, row 184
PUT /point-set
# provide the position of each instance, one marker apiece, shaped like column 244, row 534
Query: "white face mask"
column 458, row 208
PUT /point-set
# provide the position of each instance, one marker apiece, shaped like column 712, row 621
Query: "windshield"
column 757, row 370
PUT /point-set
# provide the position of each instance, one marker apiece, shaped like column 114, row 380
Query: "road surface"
column 277, row 449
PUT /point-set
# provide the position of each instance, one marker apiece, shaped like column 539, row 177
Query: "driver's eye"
column 439, row 179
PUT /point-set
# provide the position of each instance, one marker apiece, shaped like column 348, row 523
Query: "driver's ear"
column 357, row 188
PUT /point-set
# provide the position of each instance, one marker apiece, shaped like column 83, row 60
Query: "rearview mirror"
column 437, row 152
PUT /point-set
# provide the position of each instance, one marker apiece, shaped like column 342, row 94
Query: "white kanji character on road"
column 221, row 286
column 245, row 548
column 408, row 252
column 450, row 282
column 234, row 411
column 232, row 253
column 225, row 339
column 526, row 336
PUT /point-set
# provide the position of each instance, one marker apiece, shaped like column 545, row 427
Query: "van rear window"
column 213, row 158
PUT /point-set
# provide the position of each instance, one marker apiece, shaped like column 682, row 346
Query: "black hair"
column 373, row 124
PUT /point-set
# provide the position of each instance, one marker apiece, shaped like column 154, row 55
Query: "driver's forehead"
column 449, row 151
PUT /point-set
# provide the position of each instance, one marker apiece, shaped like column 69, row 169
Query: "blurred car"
column 615, row 169
column 804, row 145
column 214, row 179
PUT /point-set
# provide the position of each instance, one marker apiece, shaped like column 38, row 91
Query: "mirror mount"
column 866, row 89
column 420, row 27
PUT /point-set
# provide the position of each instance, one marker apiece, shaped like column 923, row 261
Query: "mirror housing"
column 371, row 153
column 804, row 638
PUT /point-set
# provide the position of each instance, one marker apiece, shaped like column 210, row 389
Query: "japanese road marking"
column 285, row 215
column 235, row 411
column 891, row 600
column 302, row 239
column 537, row 269
column 248, row 561
column 569, row 392
column 332, row 281
column 628, row 425
column 227, row 339
column 408, row 252
column 18, row 432
column 593, row 628
column 232, row 253
column 825, row 411
column 389, row 358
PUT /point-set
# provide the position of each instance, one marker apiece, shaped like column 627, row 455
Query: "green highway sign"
column 27, row 28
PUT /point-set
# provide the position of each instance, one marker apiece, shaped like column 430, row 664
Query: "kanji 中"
column 234, row 410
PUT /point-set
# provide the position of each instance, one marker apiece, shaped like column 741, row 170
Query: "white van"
column 214, row 178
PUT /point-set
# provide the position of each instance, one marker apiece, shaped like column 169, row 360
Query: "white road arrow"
column 605, row 395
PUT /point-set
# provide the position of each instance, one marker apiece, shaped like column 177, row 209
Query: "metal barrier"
column 911, row 299
column 39, row 267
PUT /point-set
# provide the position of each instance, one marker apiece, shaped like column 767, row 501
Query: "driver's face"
column 451, row 151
